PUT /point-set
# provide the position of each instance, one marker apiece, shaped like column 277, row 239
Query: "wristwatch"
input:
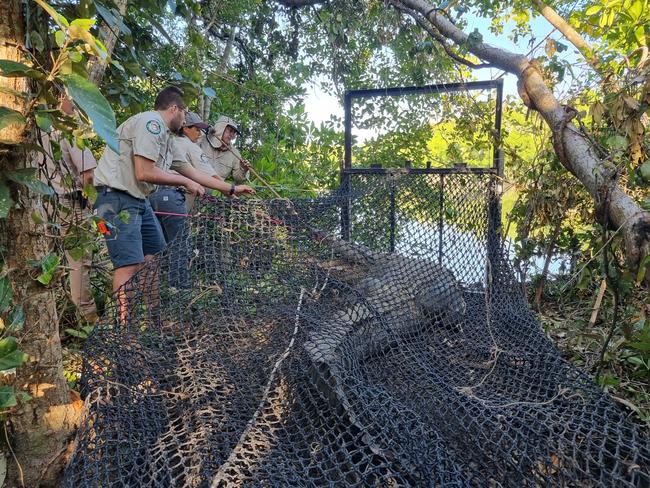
column 232, row 189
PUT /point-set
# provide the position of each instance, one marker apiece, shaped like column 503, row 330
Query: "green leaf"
column 123, row 216
column 48, row 265
column 616, row 142
column 89, row 99
column 640, row 346
column 8, row 345
column 75, row 56
column 16, row 319
column 209, row 92
column 37, row 41
column 59, row 38
column 6, row 203
column 10, row 355
column 77, row 333
column 44, row 121
column 7, row 397
column 13, row 69
column 28, row 177
column 90, row 193
column 24, row 396
column 594, row 10
column 10, row 117
column 76, row 253
column 643, row 265
column 85, row 24
column 37, row 218
column 6, row 294
column 58, row 18
column 635, row 10
column 12, row 360
column 645, row 170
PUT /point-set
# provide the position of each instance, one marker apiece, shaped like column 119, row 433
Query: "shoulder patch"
column 153, row 126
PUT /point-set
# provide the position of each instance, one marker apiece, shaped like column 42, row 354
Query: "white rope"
column 221, row 474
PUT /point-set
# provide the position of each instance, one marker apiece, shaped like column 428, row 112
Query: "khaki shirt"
column 65, row 177
column 146, row 135
column 223, row 162
column 185, row 151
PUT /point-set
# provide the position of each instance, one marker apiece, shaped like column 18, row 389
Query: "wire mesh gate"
column 442, row 180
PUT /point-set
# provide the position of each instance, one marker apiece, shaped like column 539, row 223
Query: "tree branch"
column 569, row 33
column 108, row 35
column 441, row 39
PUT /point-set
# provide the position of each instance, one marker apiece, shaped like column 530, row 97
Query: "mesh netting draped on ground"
column 280, row 355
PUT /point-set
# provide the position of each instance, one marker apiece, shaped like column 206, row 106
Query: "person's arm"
column 146, row 170
column 213, row 182
column 87, row 177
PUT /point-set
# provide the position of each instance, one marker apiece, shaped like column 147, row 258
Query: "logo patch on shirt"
column 204, row 158
column 153, row 126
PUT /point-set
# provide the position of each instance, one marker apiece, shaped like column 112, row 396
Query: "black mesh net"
column 262, row 349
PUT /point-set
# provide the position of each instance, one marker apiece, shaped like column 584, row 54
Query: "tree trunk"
column 108, row 35
column 574, row 149
column 40, row 429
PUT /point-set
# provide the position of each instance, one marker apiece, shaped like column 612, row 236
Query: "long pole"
column 250, row 168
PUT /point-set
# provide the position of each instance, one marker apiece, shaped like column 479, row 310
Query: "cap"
column 193, row 119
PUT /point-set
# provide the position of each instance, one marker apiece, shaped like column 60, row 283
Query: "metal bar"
column 392, row 216
column 347, row 106
column 441, row 216
column 498, row 112
column 345, row 175
column 418, row 171
column 494, row 196
column 437, row 88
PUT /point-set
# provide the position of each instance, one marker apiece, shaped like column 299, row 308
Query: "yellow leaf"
column 597, row 110
column 551, row 48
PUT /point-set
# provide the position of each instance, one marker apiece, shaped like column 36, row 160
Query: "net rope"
column 262, row 350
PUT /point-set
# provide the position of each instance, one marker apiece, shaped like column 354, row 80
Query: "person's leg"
column 169, row 201
column 124, row 242
column 153, row 242
column 80, row 288
column 79, row 269
column 175, row 228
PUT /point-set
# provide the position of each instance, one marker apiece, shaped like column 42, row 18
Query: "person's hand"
column 245, row 189
column 194, row 188
column 245, row 164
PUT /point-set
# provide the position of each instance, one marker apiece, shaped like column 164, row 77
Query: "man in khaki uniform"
column 171, row 204
column 68, row 177
column 225, row 162
column 125, row 180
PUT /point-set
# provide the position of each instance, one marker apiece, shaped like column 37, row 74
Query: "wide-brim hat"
column 220, row 125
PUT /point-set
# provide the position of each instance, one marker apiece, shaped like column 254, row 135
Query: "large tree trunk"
column 574, row 149
column 41, row 429
column 108, row 34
